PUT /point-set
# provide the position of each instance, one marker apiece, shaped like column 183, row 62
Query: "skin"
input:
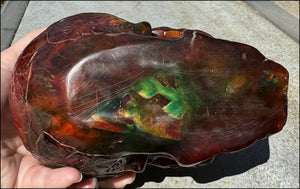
column 19, row 168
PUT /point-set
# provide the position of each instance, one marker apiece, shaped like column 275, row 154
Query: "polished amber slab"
column 106, row 96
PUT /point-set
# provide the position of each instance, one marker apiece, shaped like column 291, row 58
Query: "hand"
column 18, row 167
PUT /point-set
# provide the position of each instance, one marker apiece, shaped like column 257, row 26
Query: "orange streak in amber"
column 99, row 123
column 169, row 34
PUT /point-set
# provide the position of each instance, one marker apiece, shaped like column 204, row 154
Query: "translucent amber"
column 105, row 96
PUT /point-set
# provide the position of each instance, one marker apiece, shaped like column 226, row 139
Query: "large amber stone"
column 105, row 96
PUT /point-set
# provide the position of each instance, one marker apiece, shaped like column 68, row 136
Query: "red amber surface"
column 105, row 96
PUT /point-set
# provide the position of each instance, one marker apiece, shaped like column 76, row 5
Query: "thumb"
column 9, row 58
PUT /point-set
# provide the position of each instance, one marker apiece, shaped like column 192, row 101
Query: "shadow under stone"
column 222, row 166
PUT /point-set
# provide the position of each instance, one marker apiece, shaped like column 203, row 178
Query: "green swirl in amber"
column 176, row 89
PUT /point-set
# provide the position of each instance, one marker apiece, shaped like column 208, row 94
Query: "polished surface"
column 220, row 20
column 95, row 88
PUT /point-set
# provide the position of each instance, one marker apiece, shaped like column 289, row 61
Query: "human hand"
column 18, row 167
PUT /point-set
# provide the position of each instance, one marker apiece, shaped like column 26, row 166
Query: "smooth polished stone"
column 227, row 20
column 105, row 96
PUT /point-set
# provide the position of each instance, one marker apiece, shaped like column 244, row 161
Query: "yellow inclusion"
column 143, row 94
column 95, row 117
column 236, row 83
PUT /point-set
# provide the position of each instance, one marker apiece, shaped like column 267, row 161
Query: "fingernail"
column 88, row 183
column 97, row 184
column 81, row 176
column 94, row 183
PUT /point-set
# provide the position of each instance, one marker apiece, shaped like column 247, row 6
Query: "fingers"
column 54, row 178
column 86, row 183
column 33, row 175
column 118, row 182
